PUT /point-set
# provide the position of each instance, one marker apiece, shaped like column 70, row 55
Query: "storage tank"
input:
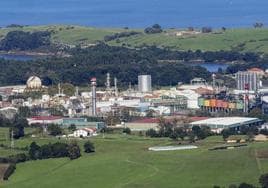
column 213, row 102
column 225, row 104
column 232, row 105
column 219, row 103
column 200, row 101
column 240, row 106
column 207, row 103
column 145, row 83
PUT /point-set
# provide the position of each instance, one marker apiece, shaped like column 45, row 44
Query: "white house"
column 85, row 132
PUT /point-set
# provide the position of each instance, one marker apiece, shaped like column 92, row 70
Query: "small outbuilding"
column 85, row 132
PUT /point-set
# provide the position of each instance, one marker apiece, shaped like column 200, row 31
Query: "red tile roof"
column 46, row 118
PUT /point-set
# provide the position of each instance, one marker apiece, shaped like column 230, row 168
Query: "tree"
column 46, row 151
column 191, row 137
column 156, row 28
column 190, row 28
column 72, row 127
column 181, row 133
column 263, row 180
column 258, row 25
column 151, row 133
column 54, row 129
column 225, row 134
column 24, row 111
column 112, row 120
column 246, row 185
column 18, row 126
column 34, row 151
column 73, row 151
column 173, row 136
column 59, row 149
column 127, row 130
column 89, row 147
column 206, row 29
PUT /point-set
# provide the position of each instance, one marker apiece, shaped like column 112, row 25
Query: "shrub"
column 264, row 180
column 73, row 151
column 127, row 130
column 89, row 147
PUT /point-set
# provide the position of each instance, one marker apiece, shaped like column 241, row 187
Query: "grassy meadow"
column 244, row 40
column 122, row 161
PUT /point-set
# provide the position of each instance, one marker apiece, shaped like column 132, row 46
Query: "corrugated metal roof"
column 226, row 121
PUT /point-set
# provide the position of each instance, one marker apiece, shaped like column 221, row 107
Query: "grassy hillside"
column 239, row 39
column 124, row 162
column 255, row 40
column 68, row 34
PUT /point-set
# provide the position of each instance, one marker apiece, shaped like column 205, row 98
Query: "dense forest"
column 126, row 64
column 20, row 40
column 167, row 67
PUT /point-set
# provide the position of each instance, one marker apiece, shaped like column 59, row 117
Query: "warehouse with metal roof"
column 218, row 124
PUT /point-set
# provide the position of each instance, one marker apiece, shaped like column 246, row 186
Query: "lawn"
column 124, row 161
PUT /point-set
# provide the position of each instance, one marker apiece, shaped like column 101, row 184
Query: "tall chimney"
column 115, row 87
column 94, row 100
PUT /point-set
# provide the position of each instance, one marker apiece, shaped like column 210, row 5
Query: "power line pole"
column 12, row 140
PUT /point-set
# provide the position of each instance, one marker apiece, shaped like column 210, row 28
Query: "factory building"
column 217, row 105
column 248, row 80
column 145, row 83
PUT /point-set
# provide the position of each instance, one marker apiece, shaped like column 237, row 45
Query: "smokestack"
column 115, row 87
column 94, row 100
column 108, row 83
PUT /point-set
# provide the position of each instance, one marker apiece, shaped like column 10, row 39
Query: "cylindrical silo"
column 145, row 83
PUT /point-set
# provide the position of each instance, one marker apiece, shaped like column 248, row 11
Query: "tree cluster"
column 55, row 150
column 244, row 130
column 20, row 40
column 54, row 129
column 156, row 28
column 258, row 25
column 115, row 36
column 263, row 182
column 182, row 131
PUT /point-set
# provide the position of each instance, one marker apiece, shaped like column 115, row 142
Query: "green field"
column 124, row 162
column 248, row 39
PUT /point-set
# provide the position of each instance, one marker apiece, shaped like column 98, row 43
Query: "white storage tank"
column 145, row 83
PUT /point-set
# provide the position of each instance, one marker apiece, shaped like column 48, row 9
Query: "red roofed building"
column 45, row 120
column 85, row 132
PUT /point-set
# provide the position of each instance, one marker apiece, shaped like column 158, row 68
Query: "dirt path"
column 155, row 171
column 258, row 161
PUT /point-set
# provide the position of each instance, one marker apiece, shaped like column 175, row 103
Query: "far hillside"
column 242, row 40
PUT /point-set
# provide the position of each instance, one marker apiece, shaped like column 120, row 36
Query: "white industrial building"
column 218, row 124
